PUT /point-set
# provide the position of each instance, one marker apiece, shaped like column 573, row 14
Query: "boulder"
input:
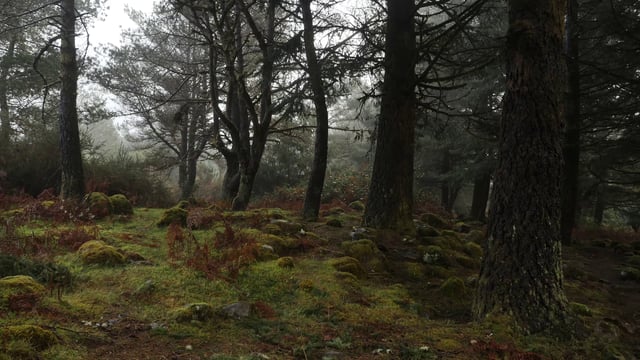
column 99, row 253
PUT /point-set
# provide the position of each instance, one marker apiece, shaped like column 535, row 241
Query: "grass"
column 401, row 308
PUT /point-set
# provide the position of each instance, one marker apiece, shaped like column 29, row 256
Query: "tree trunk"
column 231, row 181
column 571, row 146
column 598, row 209
column 445, row 185
column 311, row 206
column 5, row 67
column 72, row 184
column 390, row 200
column 481, row 186
column 521, row 273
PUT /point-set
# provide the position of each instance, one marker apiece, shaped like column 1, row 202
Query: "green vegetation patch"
column 99, row 253
column 367, row 252
column 99, row 204
column 174, row 215
column 120, row 205
column 19, row 288
column 37, row 337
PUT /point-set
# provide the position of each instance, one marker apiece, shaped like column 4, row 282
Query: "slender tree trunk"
column 72, row 184
column 521, row 273
column 5, row 67
column 311, row 206
column 481, row 186
column 390, row 200
column 571, row 147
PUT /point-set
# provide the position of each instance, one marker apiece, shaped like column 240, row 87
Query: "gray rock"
column 239, row 309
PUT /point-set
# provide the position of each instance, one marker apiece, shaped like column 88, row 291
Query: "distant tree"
column 311, row 206
column 72, row 184
column 158, row 76
column 521, row 272
column 390, row 200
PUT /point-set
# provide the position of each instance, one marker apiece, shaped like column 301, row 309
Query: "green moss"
column 433, row 255
column 423, row 231
column 475, row 236
column 19, row 285
column 36, row 336
column 174, row 215
column 285, row 262
column 99, row 253
column 349, row 265
column 99, row 204
column 194, row 312
column 448, row 345
column 453, row 288
column 120, row 205
column 367, row 252
column 630, row 273
column 466, row 261
column 47, row 203
column 473, row 249
column 272, row 229
column 580, row 309
column 633, row 260
column 357, row 205
column 411, row 270
column 334, row 222
column 280, row 244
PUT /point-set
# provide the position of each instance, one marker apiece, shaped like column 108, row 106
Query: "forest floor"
column 262, row 284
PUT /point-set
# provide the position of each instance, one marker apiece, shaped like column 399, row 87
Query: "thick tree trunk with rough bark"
column 521, row 273
column 72, row 184
column 390, row 200
column 571, row 147
column 481, row 187
column 311, row 206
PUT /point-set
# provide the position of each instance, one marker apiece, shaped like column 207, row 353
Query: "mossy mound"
column 285, row 262
column 434, row 220
column 120, row 205
column 630, row 273
column 580, row 309
column 99, row 253
column 20, row 287
column 334, row 222
column 453, row 298
column 473, row 249
column 367, row 253
column 99, row 204
column 284, row 227
column 280, row 244
column 433, row 255
column 347, row 264
column 462, row 227
column 37, row 337
column 357, row 205
column 476, row 236
column 194, row 312
column 174, row 215
column 423, row 231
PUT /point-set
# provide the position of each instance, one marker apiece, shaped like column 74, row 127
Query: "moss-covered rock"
column 453, row 288
column 473, row 249
column 434, row 220
column 194, row 312
column 433, row 255
column 476, row 236
column 357, row 205
column 285, row 226
column 466, row 261
column 367, row 252
column 99, row 253
column 630, row 273
column 98, row 204
column 120, row 205
column 334, row 222
column 20, row 287
column 37, row 337
column 423, row 231
column 174, row 215
column 285, row 262
column 349, row 265
column 279, row 244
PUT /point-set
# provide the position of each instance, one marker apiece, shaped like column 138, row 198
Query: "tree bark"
column 311, row 206
column 72, row 184
column 5, row 67
column 521, row 272
column 481, row 187
column 571, row 146
column 390, row 200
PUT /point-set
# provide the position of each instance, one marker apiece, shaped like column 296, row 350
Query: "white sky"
column 115, row 19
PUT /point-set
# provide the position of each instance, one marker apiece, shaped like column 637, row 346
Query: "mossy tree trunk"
column 390, row 200
column 571, row 147
column 521, row 273
column 311, row 206
column 5, row 68
column 72, row 183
